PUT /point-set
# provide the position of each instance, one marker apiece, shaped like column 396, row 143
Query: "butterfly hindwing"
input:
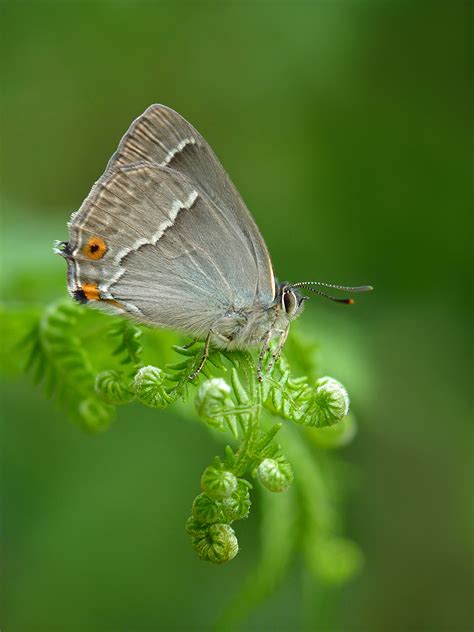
column 160, row 254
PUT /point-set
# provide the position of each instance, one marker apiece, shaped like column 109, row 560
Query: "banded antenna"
column 308, row 285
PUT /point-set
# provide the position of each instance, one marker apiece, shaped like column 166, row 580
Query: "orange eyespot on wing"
column 95, row 248
column 91, row 291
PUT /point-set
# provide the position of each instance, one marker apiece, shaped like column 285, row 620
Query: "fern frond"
column 65, row 338
column 322, row 403
column 128, row 347
column 58, row 360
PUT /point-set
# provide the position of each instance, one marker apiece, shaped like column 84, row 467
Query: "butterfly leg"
column 205, row 353
column 265, row 345
column 276, row 354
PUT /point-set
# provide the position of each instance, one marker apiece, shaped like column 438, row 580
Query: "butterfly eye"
column 290, row 302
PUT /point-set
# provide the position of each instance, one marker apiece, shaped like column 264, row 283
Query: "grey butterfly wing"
column 162, row 136
column 168, row 254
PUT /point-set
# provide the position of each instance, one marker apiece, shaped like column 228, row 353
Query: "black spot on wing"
column 80, row 296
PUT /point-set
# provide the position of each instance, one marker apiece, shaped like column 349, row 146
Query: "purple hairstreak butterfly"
column 165, row 239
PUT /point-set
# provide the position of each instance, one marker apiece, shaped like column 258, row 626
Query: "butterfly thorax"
column 244, row 328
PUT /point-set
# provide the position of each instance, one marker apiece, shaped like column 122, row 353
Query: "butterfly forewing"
column 162, row 136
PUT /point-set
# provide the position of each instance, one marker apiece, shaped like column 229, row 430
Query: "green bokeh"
column 346, row 126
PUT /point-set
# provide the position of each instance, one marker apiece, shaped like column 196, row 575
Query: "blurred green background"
column 346, row 126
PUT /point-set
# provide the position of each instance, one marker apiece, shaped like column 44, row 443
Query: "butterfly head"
column 290, row 301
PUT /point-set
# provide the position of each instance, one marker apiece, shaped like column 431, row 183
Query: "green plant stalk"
column 249, row 425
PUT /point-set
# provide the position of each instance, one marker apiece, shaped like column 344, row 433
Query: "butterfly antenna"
column 348, row 301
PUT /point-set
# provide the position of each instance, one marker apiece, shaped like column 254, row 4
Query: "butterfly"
column 165, row 238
